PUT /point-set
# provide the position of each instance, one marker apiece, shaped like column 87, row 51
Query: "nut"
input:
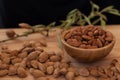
column 14, row 53
column 23, row 54
column 55, row 58
column 86, row 37
column 37, row 73
column 42, row 67
column 70, row 76
column 89, row 37
column 16, row 60
column 50, row 70
column 6, row 60
column 63, row 71
column 3, row 73
column 43, row 57
column 34, row 63
column 56, row 72
column 84, row 72
column 10, row 33
column 12, row 70
column 32, row 56
column 21, row 72
column 4, row 66
column 68, row 35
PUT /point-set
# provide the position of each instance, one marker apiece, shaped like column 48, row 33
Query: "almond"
column 99, row 43
column 86, row 37
column 3, row 73
column 43, row 57
column 70, row 76
column 50, row 70
column 37, row 73
column 68, row 35
column 21, row 72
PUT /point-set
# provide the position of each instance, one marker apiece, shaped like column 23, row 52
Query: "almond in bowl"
column 88, row 43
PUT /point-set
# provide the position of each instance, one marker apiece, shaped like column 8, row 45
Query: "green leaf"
column 73, row 11
column 48, row 27
column 107, row 8
column 68, row 25
column 51, row 24
column 87, row 20
column 95, row 21
column 103, row 16
column 114, row 12
column 38, row 26
column 95, row 6
column 91, row 14
column 103, row 23
column 59, row 41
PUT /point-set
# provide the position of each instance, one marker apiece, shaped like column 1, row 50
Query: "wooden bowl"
column 86, row 55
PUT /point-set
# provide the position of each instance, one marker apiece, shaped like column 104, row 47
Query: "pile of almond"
column 108, row 72
column 42, row 65
column 88, row 37
column 33, row 59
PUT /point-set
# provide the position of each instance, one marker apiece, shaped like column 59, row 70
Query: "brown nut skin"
column 14, row 53
column 55, row 58
column 12, row 70
column 84, row 72
column 42, row 67
column 73, row 69
column 57, row 64
column 32, row 56
column 34, row 64
column 99, row 43
column 23, row 54
column 43, row 57
column 6, row 60
column 68, row 35
column 21, row 72
column 64, row 65
column 4, row 66
column 16, row 60
column 37, row 73
column 63, row 71
column 24, row 63
column 86, row 37
column 73, row 42
column 50, row 70
column 94, row 71
column 10, row 33
column 3, row 73
column 70, row 76
column 56, row 72
column 49, row 63
column 90, row 35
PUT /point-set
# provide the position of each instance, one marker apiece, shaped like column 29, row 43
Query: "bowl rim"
column 96, row 49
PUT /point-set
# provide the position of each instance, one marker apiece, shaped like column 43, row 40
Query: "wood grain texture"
column 54, row 46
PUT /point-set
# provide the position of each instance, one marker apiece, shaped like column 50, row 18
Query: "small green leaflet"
column 59, row 41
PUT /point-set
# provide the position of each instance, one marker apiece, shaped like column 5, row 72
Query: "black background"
column 47, row 11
